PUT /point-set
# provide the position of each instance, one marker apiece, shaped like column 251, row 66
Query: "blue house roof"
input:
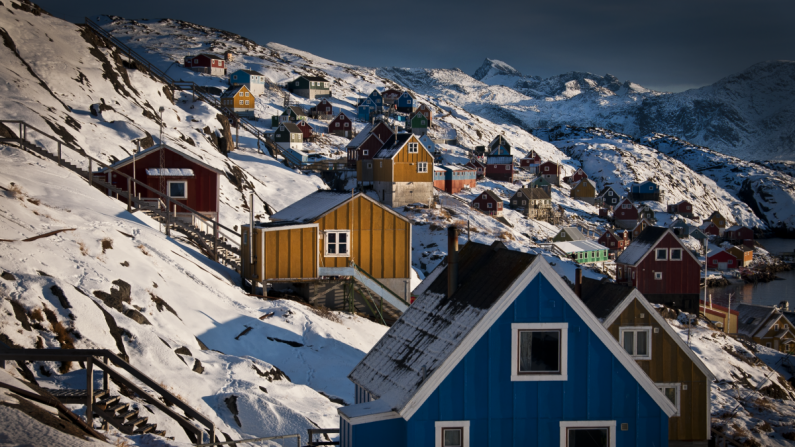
column 442, row 342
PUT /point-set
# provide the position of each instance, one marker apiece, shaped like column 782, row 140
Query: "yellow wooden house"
column 584, row 190
column 662, row 354
column 239, row 100
column 318, row 243
column 403, row 171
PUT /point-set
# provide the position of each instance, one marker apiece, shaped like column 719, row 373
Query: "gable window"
column 676, row 254
column 539, row 351
column 337, row 243
column 178, row 189
column 234, row 77
column 413, row 148
column 636, row 340
column 422, row 167
column 587, row 433
column 365, row 152
column 661, row 254
column 452, row 434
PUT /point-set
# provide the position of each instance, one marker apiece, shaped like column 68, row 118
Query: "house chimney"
column 452, row 260
column 578, row 282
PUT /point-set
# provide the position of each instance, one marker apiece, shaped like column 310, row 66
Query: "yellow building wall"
column 402, row 168
column 281, row 254
column 670, row 365
column 584, row 190
column 381, row 240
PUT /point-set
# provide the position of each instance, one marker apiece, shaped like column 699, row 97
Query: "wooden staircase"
column 111, row 410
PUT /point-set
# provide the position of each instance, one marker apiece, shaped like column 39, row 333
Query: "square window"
column 636, row 340
column 336, row 124
column 587, row 433
column 676, row 254
column 337, row 243
column 488, row 205
column 477, row 205
column 178, row 189
column 539, row 351
column 365, row 152
column 347, row 124
column 658, row 275
column 413, row 148
column 422, row 167
column 452, row 433
column 661, row 254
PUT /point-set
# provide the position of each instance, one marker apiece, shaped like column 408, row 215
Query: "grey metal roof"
column 291, row 127
column 232, row 91
column 639, row 247
column 170, row 172
column 393, row 145
column 311, row 207
column 751, row 317
column 360, row 137
column 315, row 78
column 601, row 297
column 493, row 195
column 251, row 72
column 574, row 233
column 534, row 193
column 434, row 326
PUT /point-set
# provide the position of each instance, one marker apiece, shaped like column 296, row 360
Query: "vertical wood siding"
column 670, row 365
column 679, row 277
column 288, row 253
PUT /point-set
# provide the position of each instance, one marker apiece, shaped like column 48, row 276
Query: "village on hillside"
column 295, row 260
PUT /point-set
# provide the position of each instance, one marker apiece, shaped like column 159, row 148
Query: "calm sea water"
column 771, row 293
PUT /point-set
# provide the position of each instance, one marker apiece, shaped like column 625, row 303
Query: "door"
column 723, row 265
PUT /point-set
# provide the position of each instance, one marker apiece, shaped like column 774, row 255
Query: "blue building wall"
column 406, row 101
column 377, row 99
column 506, row 413
column 645, row 188
column 244, row 78
column 364, row 109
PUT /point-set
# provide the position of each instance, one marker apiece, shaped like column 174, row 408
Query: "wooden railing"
column 131, row 199
column 100, row 358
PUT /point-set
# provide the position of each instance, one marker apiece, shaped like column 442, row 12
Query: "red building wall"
column 722, row 256
column 496, row 206
column 202, row 187
column 679, row 277
column 503, row 172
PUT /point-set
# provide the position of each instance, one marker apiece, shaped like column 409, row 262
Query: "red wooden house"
column 322, row 110
column 453, row 178
column 738, row 234
column 709, row 228
column 382, row 130
column 390, row 96
column 551, row 172
column 206, row 63
column 662, row 269
column 625, row 214
column 576, row 177
column 683, row 208
column 341, row 126
column 615, row 241
column 721, row 260
column 479, row 167
column 488, row 202
column 532, row 158
column 186, row 179
column 306, row 130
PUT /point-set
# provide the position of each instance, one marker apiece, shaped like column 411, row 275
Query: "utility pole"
column 727, row 328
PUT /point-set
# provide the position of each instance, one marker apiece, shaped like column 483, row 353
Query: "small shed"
column 489, row 203
column 683, row 208
column 454, row 178
column 206, row 63
column 584, row 252
column 721, row 260
column 744, row 255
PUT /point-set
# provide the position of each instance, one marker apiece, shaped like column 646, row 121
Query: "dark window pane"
column 332, row 238
column 343, row 248
column 587, row 437
column 643, row 339
column 670, row 393
column 539, row 351
column 343, row 237
column 177, row 190
column 629, row 342
column 676, row 254
column 332, row 248
column 452, row 437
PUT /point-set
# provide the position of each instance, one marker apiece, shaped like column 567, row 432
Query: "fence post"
column 90, row 173
column 105, row 376
column 168, row 216
column 215, row 240
column 90, row 391
column 129, row 196
column 59, row 153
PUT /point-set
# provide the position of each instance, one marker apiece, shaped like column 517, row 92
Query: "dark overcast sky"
column 667, row 45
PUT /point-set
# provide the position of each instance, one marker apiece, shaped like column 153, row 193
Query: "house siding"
column 670, row 365
column 506, row 413
column 283, row 253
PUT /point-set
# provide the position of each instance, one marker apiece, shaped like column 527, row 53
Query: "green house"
column 310, row 87
column 419, row 124
column 541, row 182
column 584, row 252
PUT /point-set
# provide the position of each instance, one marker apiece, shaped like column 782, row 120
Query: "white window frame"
column 440, row 425
column 647, row 329
column 247, row 102
column 347, row 254
column 414, row 148
column 658, row 276
column 678, row 387
column 565, row 426
column 365, row 152
column 670, row 253
column 488, row 205
column 564, row 352
column 185, row 182
column 477, row 205
column 422, row 167
column 657, row 254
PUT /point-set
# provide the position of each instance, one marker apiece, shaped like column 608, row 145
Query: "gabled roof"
column 154, row 148
column 718, row 251
column 409, row 94
column 641, row 246
column 251, row 72
column 366, row 100
column 316, row 205
column 579, row 246
column 707, row 224
column 741, row 248
column 608, row 188
column 534, row 193
column 295, row 109
column 574, row 233
column 593, row 183
column 736, row 227
column 438, row 331
column 291, row 127
column 491, row 194
column 395, row 143
column 601, row 296
column 210, row 56
column 314, row 78
column 341, row 116
column 752, row 317
column 232, row 91
column 360, row 137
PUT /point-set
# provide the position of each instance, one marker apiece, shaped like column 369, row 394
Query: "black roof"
column 485, row 272
column 650, row 235
column 252, row 72
column 535, row 193
column 315, row 78
column 601, row 297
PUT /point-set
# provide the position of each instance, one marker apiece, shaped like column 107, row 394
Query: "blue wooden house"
column 499, row 146
column 366, row 110
column 406, row 103
column 253, row 80
column 647, row 190
column 377, row 99
column 505, row 355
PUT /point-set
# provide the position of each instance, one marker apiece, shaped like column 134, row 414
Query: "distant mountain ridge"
column 748, row 115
